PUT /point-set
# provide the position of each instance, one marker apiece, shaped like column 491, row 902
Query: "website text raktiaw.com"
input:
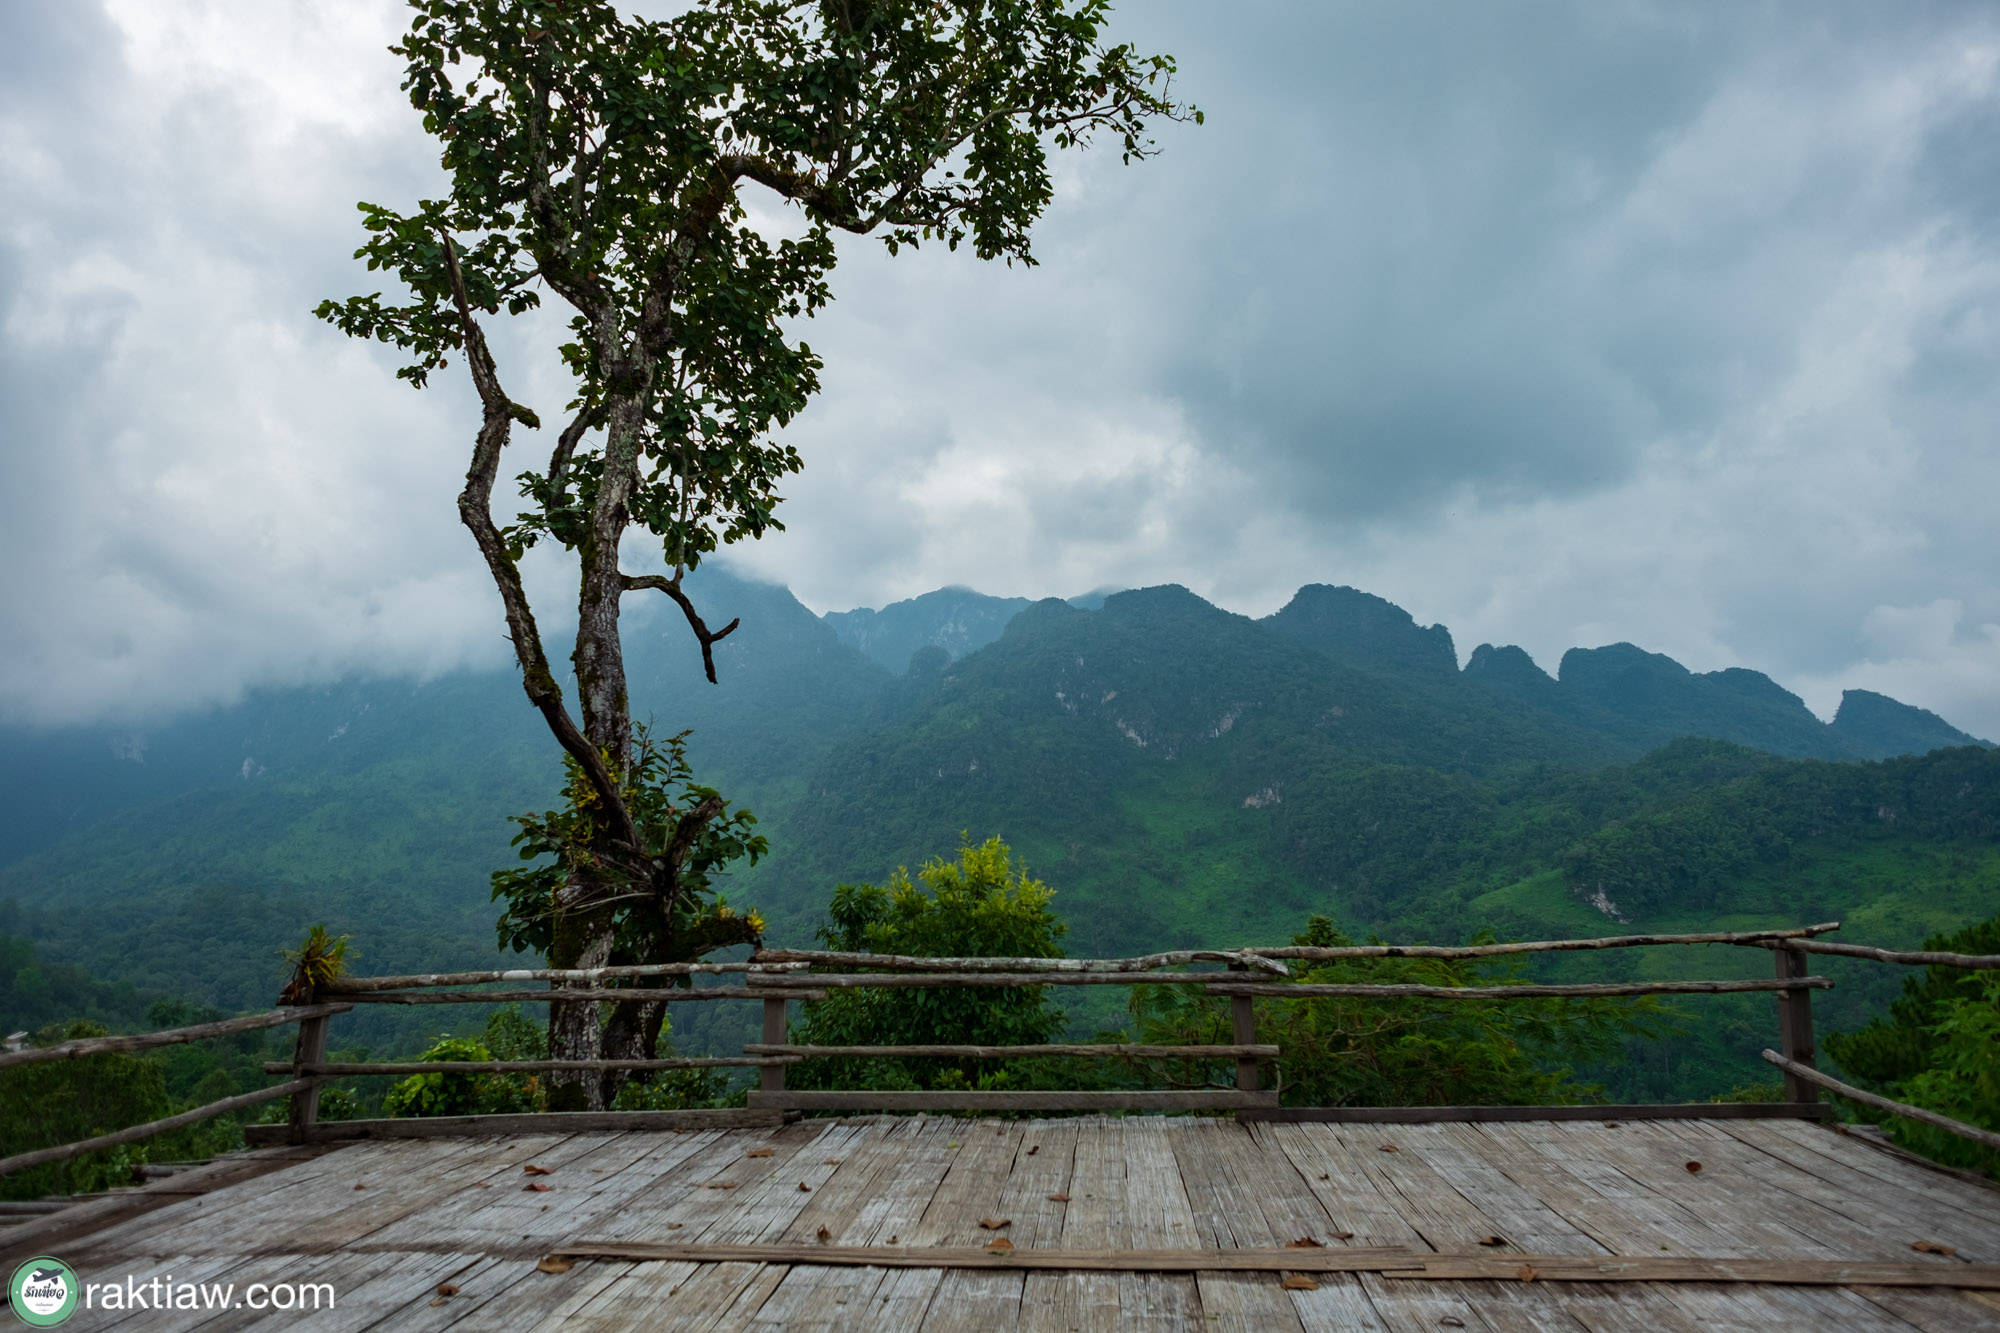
column 163, row 1293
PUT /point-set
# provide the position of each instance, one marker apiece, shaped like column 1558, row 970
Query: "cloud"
column 1556, row 322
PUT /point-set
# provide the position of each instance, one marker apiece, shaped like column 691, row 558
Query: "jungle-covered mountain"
column 1179, row 774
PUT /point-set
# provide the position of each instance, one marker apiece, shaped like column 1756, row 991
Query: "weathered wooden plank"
column 1607, row 1221
column 971, row 1192
column 591, row 1177
column 1739, row 1306
column 1331, row 1259
column 1841, row 1223
column 1438, row 1115
column 87, row 1222
column 1244, row 1196
column 1205, row 1099
column 1353, row 1202
column 1937, row 1199
column 1521, row 1219
column 1690, row 1268
column 1104, row 1049
column 1936, row 1310
column 547, row 1122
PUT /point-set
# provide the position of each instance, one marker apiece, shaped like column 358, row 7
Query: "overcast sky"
column 1559, row 323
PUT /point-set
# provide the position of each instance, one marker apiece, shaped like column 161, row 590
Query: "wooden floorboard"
column 458, row 1212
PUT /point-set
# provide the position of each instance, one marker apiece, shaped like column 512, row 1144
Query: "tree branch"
column 672, row 588
column 475, row 510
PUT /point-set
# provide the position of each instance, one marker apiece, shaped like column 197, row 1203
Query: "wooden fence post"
column 1243, row 1019
column 1795, row 1024
column 310, row 1050
column 771, row 1078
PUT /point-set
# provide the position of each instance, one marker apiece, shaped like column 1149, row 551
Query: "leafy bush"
column 976, row 906
column 508, row 1036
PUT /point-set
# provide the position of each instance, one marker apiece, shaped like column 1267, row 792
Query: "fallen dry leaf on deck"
column 1059, row 1197
column 361, row 1187
column 804, row 1188
column 1451, row 1321
column 831, row 1161
column 1932, row 1247
column 1304, row 1243
column 1298, row 1282
column 675, row 1226
column 1390, row 1147
column 1002, row 1246
column 555, row 1263
column 995, row 1223
column 824, row 1235
column 1694, row 1168
column 1527, row 1273
column 446, row 1289
column 1494, row 1240
column 437, row 1300
column 536, row 1187
column 762, row 1152
column 533, row 1170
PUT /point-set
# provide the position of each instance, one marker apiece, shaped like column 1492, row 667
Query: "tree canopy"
column 603, row 160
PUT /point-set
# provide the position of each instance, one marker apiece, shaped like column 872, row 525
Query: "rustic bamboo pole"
column 404, row 1067
column 1106, row 1050
column 356, row 985
column 142, row 1041
column 1359, row 990
column 1330, row 953
column 673, row 995
column 1259, row 959
column 1944, row 1122
column 1906, row 957
column 955, row 980
column 22, row 1161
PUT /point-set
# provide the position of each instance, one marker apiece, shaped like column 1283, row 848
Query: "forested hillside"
column 1177, row 773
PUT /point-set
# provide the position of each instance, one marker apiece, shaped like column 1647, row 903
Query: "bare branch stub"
column 672, row 588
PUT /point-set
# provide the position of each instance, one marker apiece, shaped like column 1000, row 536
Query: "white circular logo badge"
column 43, row 1292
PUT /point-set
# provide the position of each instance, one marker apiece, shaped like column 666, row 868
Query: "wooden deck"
column 387, row 1222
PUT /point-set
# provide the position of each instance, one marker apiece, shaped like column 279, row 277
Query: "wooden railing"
column 777, row 978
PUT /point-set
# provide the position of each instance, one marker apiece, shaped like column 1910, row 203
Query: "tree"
column 976, row 906
column 604, row 159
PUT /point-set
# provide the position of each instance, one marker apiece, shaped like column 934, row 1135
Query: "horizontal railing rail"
column 778, row 978
column 83, row 1047
column 146, row 1041
column 1794, row 1069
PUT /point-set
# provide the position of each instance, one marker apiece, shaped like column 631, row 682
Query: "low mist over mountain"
column 1178, row 773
